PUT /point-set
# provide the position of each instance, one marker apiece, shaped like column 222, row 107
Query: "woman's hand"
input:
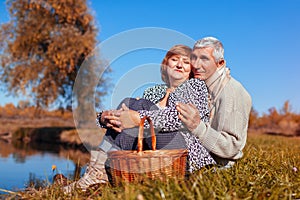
column 129, row 118
column 189, row 115
column 121, row 119
column 111, row 119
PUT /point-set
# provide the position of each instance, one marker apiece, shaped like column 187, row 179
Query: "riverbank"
column 26, row 138
column 51, row 131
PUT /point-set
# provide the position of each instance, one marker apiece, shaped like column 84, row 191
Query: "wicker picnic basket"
column 139, row 164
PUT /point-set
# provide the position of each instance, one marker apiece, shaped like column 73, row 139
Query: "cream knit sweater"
column 225, row 136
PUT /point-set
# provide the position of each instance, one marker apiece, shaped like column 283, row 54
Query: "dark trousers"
column 127, row 139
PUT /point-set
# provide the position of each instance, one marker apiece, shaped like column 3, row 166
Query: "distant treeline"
column 25, row 110
column 282, row 122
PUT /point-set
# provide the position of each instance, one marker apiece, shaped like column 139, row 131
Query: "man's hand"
column 189, row 115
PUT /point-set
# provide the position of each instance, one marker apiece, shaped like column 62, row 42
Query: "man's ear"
column 221, row 63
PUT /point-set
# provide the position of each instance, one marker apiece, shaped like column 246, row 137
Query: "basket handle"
column 141, row 134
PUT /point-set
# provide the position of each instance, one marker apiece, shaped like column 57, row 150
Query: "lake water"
column 19, row 165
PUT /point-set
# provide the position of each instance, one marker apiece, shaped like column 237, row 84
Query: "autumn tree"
column 286, row 108
column 43, row 46
column 253, row 118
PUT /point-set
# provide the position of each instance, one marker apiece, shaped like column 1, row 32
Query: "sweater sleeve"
column 192, row 91
column 227, row 133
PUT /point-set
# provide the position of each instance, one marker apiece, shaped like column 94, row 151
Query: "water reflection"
column 21, row 163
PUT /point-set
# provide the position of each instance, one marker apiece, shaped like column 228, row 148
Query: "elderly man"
column 230, row 104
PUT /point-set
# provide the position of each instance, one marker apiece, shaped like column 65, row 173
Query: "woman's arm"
column 193, row 91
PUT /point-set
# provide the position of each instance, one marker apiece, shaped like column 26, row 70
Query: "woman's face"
column 179, row 68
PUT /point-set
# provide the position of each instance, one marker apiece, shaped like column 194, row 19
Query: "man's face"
column 203, row 63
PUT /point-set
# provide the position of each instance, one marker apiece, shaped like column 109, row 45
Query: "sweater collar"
column 212, row 81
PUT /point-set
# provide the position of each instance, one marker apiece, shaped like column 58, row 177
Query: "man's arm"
column 226, row 135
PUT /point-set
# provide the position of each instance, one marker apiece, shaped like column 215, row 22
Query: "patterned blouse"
column 192, row 91
column 155, row 93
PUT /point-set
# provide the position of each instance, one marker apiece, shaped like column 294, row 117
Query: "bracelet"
column 99, row 123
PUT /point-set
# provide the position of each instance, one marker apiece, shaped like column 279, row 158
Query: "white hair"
column 218, row 52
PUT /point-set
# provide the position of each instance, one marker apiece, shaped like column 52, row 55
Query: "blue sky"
column 261, row 40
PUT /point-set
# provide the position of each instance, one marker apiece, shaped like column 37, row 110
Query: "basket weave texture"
column 137, row 165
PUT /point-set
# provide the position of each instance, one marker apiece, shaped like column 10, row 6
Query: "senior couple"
column 200, row 107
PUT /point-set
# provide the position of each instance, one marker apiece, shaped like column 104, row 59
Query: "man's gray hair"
column 218, row 52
